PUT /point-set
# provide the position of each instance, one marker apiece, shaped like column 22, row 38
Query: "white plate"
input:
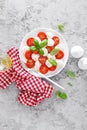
column 62, row 45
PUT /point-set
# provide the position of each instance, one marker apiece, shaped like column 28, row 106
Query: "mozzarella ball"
column 49, row 34
column 53, row 57
column 45, row 51
column 37, row 65
column 77, row 51
column 82, row 63
column 60, row 46
column 48, row 64
column 37, row 38
column 24, row 49
column 60, row 64
column 50, row 42
column 35, row 57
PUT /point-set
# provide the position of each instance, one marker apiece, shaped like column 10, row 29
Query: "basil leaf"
column 54, row 51
column 52, row 62
column 71, row 74
column 61, row 95
column 61, row 27
column 36, row 44
column 70, row 84
column 43, row 43
column 33, row 48
column 41, row 52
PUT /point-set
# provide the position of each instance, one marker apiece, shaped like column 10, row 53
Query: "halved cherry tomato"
column 43, row 69
column 52, row 68
column 42, row 59
column 30, row 41
column 28, row 54
column 36, row 52
column 42, row 35
column 30, row 63
column 56, row 40
column 60, row 54
column 49, row 48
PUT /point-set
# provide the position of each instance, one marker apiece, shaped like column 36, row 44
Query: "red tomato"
column 36, row 52
column 49, row 48
column 60, row 55
column 30, row 63
column 30, row 41
column 43, row 69
column 52, row 68
column 42, row 35
column 56, row 40
column 28, row 54
column 42, row 59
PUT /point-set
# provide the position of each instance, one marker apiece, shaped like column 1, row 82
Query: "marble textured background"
column 17, row 17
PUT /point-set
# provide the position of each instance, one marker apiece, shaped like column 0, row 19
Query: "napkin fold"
column 32, row 89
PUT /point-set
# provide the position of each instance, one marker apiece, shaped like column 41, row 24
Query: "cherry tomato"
column 43, row 69
column 30, row 41
column 42, row 59
column 59, row 55
column 30, row 63
column 42, row 35
column 52, row 68
column 28, row 54
column 49, row 48
column 36, row 52
column 56, row 40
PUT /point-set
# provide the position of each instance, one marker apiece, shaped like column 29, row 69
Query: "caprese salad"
column 42, row 52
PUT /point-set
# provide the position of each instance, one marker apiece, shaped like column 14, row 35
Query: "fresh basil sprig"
column 43, row 43
column 61, row 95
column 41, row 52
column 36, row 42
column 33, row 48
column 52, row 62
column 54, row 51
column 71, row 74
column 61, row 27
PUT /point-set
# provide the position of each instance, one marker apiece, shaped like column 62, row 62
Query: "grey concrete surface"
column 17, row 17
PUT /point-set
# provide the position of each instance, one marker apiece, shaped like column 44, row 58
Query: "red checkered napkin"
column 32, row 89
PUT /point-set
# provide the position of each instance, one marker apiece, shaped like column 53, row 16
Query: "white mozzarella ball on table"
column 82, row 63
column 24, row 49
column 35, row 57
column 45, row 51
column 77, row 51
column 37, row 65
column 49, row 34
column 48, row 64
column 37, row 38
column 50, row 42
column 53, row 57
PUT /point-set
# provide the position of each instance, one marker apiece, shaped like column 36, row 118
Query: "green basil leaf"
column 71, row 74
column 33, row 48
column 52, row 62
column 70, row 84
column 54, row 51
column 61, row 27
column 41, row 52
column 36, row 44
column 43, row 43
column 60, row 94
